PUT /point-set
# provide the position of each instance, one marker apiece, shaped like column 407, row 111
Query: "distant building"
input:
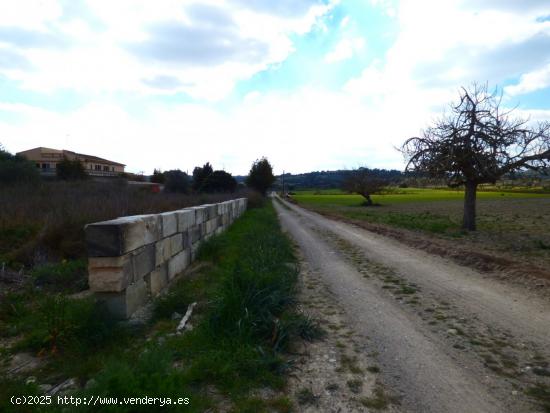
column 46, row 159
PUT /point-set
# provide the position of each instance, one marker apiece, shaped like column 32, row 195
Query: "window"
column 45, row 166
column 98, row 167
column 105, row 168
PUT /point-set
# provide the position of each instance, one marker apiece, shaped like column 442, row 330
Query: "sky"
column 310, row 84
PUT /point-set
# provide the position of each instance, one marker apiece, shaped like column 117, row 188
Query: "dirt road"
column 447, row 339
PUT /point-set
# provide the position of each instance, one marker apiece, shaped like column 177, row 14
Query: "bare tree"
column 478, row 142
column 365, row 183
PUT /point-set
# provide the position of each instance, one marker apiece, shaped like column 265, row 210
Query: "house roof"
column 87, row 158
column 92, row 158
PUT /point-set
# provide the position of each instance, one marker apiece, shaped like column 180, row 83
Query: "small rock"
column 176, row 316
column 66, row 385
column 30, row 380
column 90, row 383
column 514, row 392
column 452, row 331
column 23, row 362
column 44, row 388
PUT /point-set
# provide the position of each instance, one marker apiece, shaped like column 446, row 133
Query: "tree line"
column 15, row 169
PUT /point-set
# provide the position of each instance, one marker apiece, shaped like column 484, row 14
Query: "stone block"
column 143, row 261
column 195, row 233
column 194, row 250
column 211, row 225
column 123, row 304
column 176, row 243
column 201, row 214
column 119, row 236
column 158, row 280
column 114, row 274
column 110, row 273
column 212, row 211
column 163, row 251
column 178, row 263
column 169, row 223
column 186, row 219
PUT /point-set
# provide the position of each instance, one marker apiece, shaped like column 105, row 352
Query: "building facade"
column 46, row 160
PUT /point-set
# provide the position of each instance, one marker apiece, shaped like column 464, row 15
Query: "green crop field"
column 510, row 222
column 337, row 197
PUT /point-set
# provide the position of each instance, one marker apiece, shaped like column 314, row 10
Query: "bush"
column 255, row 199
column 71, row 170
column 60, row 325
column 67, row 276
column 219, row 181
column 260, row 177
column 157, row 177
column 200, row 174
column 15, row 169
column 176, row 181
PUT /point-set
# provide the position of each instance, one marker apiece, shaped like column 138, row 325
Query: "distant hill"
column 330, row 179
column 334, row 179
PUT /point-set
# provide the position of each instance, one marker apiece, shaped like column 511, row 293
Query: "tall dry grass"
column 45, row 222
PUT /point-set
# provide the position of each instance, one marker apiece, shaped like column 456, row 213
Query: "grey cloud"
column 163, row 82
column 31, row 39
column 280, row 7
column 13, row 60
column 495, row 65
column 212, row 38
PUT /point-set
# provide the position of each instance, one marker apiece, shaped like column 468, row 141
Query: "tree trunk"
column 469, row 221
column 368, row 200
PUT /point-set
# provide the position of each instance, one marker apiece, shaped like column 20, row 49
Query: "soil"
column 446, row 337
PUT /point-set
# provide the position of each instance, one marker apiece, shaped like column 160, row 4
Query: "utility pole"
column 283, row 183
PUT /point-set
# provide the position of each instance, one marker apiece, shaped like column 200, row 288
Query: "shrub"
column 176, row 181
column 260, row 176
column 71, row 170
column 255, row 199
column 157, row 177
column 200, row 174
column 59, row 324
column 15, row 169
column 68, row 276
column 219, row 181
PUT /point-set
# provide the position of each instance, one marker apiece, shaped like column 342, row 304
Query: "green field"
column 509, row 222
column 337, row 197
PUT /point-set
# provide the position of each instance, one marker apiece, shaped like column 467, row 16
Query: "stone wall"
column 132, row 259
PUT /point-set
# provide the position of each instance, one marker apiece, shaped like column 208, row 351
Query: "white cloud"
column 434, row 54
column 529, row 82
column 335, row 131
column 205, row 46
column 345, row 49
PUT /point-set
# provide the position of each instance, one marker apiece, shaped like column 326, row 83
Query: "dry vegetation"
column 44, row 222
column 513, row 228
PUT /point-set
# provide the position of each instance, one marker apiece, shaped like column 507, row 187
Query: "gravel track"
column 430, row 364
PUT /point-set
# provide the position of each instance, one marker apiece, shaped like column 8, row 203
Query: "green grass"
column 334, row 197
column 247, row 320
column 65, row 276
column 439, row 211
column 243, row 324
